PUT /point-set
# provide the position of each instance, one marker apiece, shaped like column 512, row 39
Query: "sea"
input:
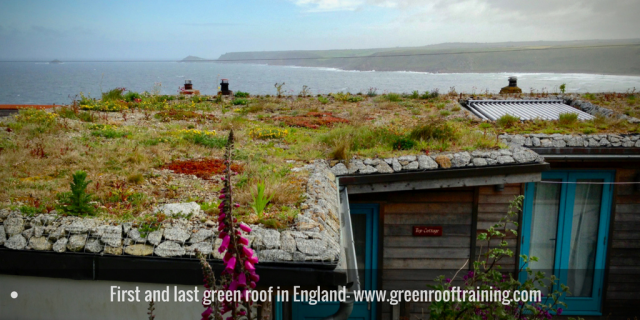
column 44, row 83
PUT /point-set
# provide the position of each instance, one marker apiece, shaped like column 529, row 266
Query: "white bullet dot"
column 14, row 295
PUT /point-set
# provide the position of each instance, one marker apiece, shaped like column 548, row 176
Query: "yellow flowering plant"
column 268, row 133
column 37, row 116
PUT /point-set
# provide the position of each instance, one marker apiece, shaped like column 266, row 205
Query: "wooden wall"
column 492, row 206
column 409, row 262
column 622, row 298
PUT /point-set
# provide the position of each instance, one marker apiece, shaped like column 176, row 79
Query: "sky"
column 171, row 30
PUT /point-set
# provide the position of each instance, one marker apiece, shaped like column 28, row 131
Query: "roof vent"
column 512, row 88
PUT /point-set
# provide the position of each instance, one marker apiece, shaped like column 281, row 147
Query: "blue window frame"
column 565, row 224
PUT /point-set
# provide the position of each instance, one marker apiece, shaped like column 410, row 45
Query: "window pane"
column 544, row 226
column 359, row 226
column 584, row 237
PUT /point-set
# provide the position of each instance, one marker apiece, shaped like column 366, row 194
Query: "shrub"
column 355, row 99
column 204, row 138
column 306, row 91
column 278, row 87
column 151, row 224
column 132, row 96
column 341, row 151
column 237, row 102
column 107, row 131
column 372, row 92
column 210, row 208
column 507, row 121
column 73, row 113
column 434, row 131
column 414, row 95
column 198, row 98
column 430, row 95
column 567, row 119
column 155, row 141
column 323, row 100
column 268, row 133
column 241, row 94
column 403, row 144
column 135, row 178
column 164, row 98
column 393, row 97
column 563, row 88
column 67, row 113
column 260, row 200
column 77, row 202
column 341, row 96
column 108, row 106
column 113, row 94
column 359, row 138
column 486, row 275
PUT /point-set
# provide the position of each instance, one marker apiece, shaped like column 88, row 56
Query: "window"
column 565, row 224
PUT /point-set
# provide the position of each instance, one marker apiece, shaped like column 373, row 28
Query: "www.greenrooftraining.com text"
column 312, row 297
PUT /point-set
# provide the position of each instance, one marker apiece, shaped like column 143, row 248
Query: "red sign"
column 424, row 231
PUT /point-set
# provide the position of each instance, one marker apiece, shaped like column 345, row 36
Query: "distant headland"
column 192, row 59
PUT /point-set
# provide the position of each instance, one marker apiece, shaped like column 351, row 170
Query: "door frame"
column 567, row 193
column 372, row 210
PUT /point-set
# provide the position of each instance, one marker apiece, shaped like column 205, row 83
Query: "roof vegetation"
column 140, row 150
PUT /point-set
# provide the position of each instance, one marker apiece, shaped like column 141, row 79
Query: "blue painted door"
column 364, row 221
column 565, row 224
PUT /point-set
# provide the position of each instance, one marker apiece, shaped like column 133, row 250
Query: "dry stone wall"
column 478, row 158
column 315, row 236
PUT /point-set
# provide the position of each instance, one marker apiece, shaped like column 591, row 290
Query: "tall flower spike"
column 238, row 257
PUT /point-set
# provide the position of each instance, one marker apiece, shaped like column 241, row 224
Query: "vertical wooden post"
column 474, row 227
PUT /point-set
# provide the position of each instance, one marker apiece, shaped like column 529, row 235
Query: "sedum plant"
column 485, row 275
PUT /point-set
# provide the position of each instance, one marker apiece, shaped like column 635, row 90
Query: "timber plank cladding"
column 413, row 262
column 622, row 288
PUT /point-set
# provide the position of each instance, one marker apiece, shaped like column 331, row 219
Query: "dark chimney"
column 224, row 87
column 512, row 87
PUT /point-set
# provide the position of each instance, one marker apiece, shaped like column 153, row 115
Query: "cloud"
column 500, row 20
column 330, row 5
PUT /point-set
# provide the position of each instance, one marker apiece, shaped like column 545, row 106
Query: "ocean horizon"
column 44, row 83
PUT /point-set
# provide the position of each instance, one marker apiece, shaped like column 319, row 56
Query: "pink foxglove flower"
column 240, row 273
column 245, row 228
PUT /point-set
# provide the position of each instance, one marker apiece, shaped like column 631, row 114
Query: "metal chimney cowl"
column 512, row 87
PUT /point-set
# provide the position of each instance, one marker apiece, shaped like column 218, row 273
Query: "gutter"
column 81, row 266
column 444, row 173
column 347, row 243
column 589, row 154
column 591, row 157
